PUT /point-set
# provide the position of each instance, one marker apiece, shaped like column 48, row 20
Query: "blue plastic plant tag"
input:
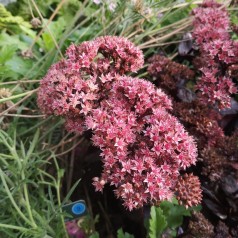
column 75, row 210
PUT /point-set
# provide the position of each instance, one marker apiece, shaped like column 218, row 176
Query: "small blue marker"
column 75, row 210
column 78, row 208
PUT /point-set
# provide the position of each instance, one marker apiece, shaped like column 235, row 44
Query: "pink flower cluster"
column 143, row 146
column 211, row 25
column 108, row 54
column 74, row 86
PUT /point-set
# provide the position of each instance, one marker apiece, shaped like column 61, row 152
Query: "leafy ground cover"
column 43, row 166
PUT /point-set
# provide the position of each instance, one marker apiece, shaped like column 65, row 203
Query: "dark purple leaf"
column 186, row 95
column 232, row 110
column 186, row 45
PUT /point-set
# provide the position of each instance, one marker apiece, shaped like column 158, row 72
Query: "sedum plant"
column 218, row 51
column 87, row 20
column 143, row 146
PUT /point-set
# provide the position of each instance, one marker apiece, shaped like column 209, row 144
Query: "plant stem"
column 28, row 205
column 57, row 186
column 20, row 82
column 180, row 5
column 46, row 25
column 17, row 96
column 13, row 227
column 25, row 116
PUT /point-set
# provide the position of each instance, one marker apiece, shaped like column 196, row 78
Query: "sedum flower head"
column 73, row 87
column 211, row 26
column 143, row 146
column 107, row 54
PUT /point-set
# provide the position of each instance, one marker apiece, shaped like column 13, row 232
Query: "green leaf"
column 3, row 12
column 174, row 213
column 56, row 28
column 175, row 217
column 14, row 23
column 6, row 39
column 28, row 31
column 33, row 144
column 121, row 234
column 94, row 235
column 19, row 65
column 69, row 9
column 70, row 192
column 11, row 65
column 157, row 222
column 197, row 208
column 7, row 52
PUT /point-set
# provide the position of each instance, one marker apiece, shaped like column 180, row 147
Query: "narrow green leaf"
column 33, row 144
column 66, row 199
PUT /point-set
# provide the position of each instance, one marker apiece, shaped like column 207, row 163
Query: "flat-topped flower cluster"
column 143, row 146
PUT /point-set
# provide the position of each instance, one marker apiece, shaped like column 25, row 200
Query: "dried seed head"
column 138, row 4
column 5, row 92
column 188, row 190
column 35, row 22
column 27, row 54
